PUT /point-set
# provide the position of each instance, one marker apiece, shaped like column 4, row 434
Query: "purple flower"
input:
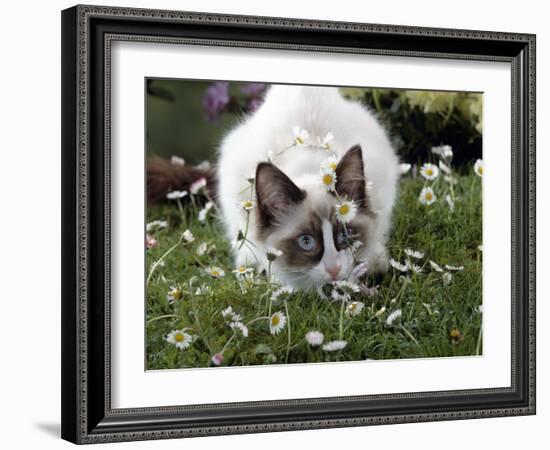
column 253, row 89
column 217, row 359
column 216, row 100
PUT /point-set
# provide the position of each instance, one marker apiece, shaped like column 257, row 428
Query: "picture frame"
column 87, row 35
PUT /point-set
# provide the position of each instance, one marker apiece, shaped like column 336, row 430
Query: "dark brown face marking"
column 275, row 194
column 294, row 255
column 350, row 177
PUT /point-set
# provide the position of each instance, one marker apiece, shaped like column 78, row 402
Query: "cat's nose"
column 334, row 271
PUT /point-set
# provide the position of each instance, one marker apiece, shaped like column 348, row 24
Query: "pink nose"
column 334, row 271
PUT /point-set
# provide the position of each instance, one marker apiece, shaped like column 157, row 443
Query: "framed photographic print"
column 283, row 224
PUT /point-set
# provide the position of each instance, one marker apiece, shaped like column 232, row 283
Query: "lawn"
column 433, row 313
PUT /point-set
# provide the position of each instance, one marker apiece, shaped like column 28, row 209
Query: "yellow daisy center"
column 327, row 179
column 215, row 273
column 344, row 209
column 241, row 269
column 353, row 306
column 429, row 172
column 275, row 320
column 480, row 170
column 299, row 140
column 429, row 196
column 332, row 165
column 179, row 337
column 247, row 204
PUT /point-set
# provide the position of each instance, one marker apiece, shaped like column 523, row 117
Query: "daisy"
column 328, row 179
column 285, row 291
column 450, row 179
column 427, row 196
column 242, row 270
column 215, row 272
column 203, row 212
column 301, row 136
column 205, row 248
column 444, row 168
column 393, row 316
column 177, row 161
column 447, row 278
column 205, row 166
column 354, row 308
column 197, row 186
column 150, row 241
column 175, row 195
column 156, row 225
column 436, row 267
column 180, row 339
column 398, row 266
column 232, row 315
column 450, row 202
column 217, row 359
column 414, row 268
column 277, row 322
column 239, row 326
column 174, row 294
column 443, row 151
column 334, row 346
column 203, row 290
column 346, row 211
column 480, row 248
column 404, row 168
column 272, row 253
column 429, row 171
column 455, row 268
column 188, row 236
column 360, row 269
column 341, row 290
column 247, row 205
column 478, row 167
column 416, row 254
column 380, row 312
column 315, row 338
column 326, row 142
column 329, row 164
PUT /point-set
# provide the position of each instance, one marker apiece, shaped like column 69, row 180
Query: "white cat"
column 268, row 160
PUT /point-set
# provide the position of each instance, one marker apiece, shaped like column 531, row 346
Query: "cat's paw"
column 380, row 263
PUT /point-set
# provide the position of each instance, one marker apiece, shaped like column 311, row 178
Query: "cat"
column 266, row 162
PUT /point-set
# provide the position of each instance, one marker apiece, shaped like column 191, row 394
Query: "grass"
column 437, row 320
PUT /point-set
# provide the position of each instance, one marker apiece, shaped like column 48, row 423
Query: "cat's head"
column 302, row 222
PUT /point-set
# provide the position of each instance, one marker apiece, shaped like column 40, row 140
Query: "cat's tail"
column 164, row 176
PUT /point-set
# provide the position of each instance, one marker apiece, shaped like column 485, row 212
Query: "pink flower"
column 150, row 241
column 217, row 359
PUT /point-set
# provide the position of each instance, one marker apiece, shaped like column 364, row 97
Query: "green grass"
column 430, row 309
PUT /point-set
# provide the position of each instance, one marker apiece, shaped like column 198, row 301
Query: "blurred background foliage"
column 189, row 118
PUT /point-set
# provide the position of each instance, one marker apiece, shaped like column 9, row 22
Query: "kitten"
column 292, row 210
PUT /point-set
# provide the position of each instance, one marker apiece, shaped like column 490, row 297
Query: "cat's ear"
column 350, row 176
column 275, row 193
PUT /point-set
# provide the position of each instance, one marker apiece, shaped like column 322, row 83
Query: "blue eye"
column 306, row 242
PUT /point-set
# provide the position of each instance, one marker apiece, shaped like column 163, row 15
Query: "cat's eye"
column 342, row 239
column 306, row 242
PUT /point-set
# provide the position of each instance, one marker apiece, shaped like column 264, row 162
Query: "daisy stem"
column 341, row 322
column 410, row 335
column 166, row 316
column 288, row 331
column 180, row 207
column 479, row 340
column 245, row 229
column 158, row 261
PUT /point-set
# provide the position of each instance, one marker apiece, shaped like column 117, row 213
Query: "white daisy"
column 398, row 266
column 334, row 346
column 414, row 268
column 203, row 290
column 360, row 269
column 447, row 278
column 242, row 270
column 436, row 266
column 175, row 195
column 393, row 316
column 329, row 164
column 277, row 322
column 429, row 171
column 455, row 268
column 404, row 168
column 247, row 205
column 380, row 312
column 341, row 290
column 444, row 168
column 237, row 325
column 203, row 212
column 177, row 161
column 450, row 179
column 179, row 338
column 480, row 248
column 301, row 136
column 346, row 211
column 315, row 338
column 174, row 294
column 328, row 179
column 416, row 254
column 443, row 151
column 188, row 236
column 284, row 291
column 478, row 167
column 156, row 225
column 354, row 308
column 197, row 186
column 228, row 312
column 205, row 165
column 427, row 196
column 450, row 202
column 326, row 142
column 202, row 249
column 272, row 253
column 215, row 272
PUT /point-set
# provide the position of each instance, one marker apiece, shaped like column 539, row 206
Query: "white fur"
column 318, row 110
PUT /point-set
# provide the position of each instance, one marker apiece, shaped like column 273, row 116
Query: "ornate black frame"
column 87, row 32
